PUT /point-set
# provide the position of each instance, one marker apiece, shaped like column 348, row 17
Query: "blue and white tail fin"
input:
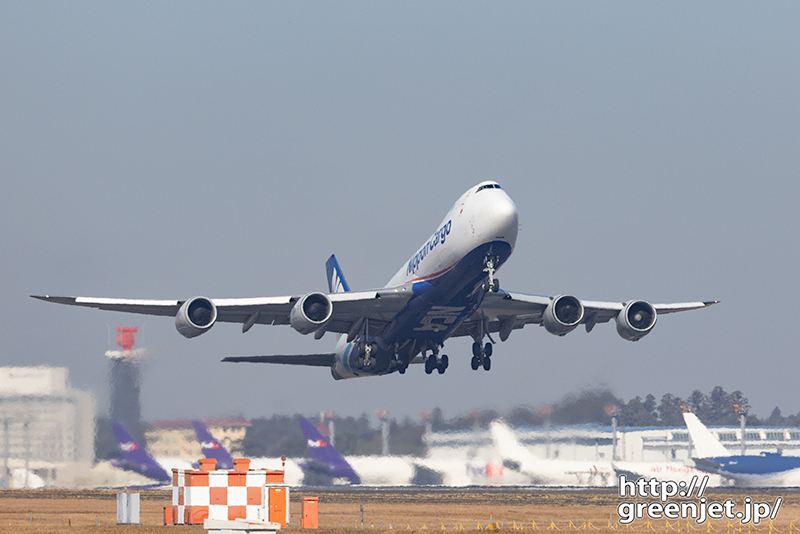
column 336, row 281
column 211, row 447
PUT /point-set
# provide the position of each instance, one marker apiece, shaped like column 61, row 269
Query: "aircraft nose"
column 504, row 209
column 505, row 218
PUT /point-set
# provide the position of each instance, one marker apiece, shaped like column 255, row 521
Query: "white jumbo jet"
column 446, row 289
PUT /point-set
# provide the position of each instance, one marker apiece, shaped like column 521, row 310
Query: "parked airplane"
column 328, row 467
column 765, row 469
column 135, row 458
column 448, row 288
column 522, row 467
column 211, row 447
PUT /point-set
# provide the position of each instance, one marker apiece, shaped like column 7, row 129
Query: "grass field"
column 416, row 510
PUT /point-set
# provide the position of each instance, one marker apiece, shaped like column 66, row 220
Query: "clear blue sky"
column 166, row 150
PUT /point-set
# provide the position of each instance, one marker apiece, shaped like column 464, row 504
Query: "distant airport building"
column 177, row 439
column 596, row 443
column 46, row 427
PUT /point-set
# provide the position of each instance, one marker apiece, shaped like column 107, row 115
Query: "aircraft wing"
column 501, row 312
column 378, row 306
column 314, row 360
column 505, row 311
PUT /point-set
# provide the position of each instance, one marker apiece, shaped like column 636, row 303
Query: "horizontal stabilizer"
column 316, row 360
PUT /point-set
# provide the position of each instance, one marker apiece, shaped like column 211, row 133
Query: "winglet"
column 336, row 281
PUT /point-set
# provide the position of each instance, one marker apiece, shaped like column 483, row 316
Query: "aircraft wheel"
column 475, row 363
column 476, row 350
column 401, row 370
column 495, row 285
column 487, row 363
column 487, row 350
column 429, row 364
column 444, row 362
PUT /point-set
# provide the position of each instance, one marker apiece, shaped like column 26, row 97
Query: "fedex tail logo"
column 128, row 447
column 317, row 443
column 209, row 445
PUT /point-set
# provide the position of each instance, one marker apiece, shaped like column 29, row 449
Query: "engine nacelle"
column 562, row 315
column 636, row 320
column 311, row 313
column 195, row 317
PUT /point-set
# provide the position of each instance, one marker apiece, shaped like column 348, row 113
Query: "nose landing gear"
column 366, row 355
column 492, row 283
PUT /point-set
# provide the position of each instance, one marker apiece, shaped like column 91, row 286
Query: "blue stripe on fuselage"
column 769, row 463
column 449, row 298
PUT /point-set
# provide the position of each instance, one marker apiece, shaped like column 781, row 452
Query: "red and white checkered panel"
column 218, row 494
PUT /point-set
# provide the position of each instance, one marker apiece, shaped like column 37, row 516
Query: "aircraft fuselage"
column 448, row 276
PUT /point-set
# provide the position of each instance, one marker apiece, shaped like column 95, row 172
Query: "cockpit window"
column 488, row 186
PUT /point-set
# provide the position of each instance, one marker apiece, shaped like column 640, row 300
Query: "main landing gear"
column 434, row 362
column 481, row 356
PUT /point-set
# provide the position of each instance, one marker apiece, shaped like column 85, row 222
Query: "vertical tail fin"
column 705, row 444
column 135, row 458
column 336, row 281
column 507, row 443
column 321, row 451
column 211, row 447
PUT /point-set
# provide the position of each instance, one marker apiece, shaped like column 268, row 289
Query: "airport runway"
column 410, row 509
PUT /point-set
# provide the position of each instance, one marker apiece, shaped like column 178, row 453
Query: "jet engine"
column 636, row 319
column 562, row 315
column 195, row 317
column 311, row 313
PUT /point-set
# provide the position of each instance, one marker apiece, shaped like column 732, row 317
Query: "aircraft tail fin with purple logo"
column 135, row 458
column 211, row 447
column 323, row 453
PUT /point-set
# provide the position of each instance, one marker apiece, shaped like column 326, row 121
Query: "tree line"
column 280, row 435
column 361, row 435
